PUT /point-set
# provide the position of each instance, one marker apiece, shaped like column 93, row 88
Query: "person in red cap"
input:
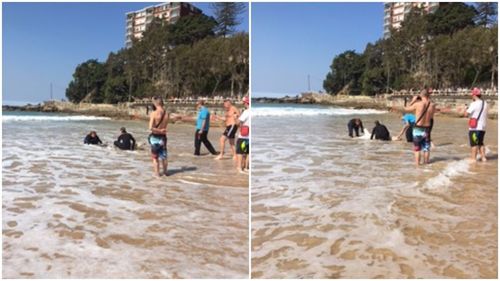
column 478, row 114
column 243, row 143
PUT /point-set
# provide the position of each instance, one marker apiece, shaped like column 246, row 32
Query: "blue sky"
column 292, row 40
column 44, row 42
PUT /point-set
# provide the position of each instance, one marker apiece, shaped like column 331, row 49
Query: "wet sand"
column 77, row 211
column 327, row 206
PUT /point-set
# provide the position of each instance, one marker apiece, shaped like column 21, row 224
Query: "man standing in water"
column 243, row 143
column 202, row 126
column 478, row 113
column 158, row 121
column 424, row 112
column 232, row 114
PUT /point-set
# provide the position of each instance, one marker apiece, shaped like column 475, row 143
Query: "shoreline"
column 452, row 106
column 179, row 113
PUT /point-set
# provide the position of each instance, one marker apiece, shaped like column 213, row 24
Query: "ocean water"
column 76, row 211
column 328, row 206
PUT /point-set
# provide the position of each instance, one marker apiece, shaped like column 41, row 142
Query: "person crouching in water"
column 354, row 125
column 424, row 112
column 92, row 138
column 125, row 141
column 409, row 122
column 243, row 143
column 380, row 132
column 158, row 121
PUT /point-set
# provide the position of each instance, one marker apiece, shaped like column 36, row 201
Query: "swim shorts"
column 476, row 138
column 242, row 146
column 421, row 140
column 230, row 131
column 158, row 147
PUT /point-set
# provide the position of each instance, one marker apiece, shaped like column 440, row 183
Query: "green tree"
column 486, row 13
column 189, row 29
column 116, row 87
column 227, row 16
column 88, row 81
column 450, row 18
column 346, row 70
column 373, row 78
column 170, row 60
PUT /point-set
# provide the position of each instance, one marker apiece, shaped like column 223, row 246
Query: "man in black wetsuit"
column 125, row 141
column 380, row 132
column 354, row 125
column 92, row 138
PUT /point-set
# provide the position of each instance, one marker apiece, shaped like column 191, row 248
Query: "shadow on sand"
column 445, row 159
column 181, row 170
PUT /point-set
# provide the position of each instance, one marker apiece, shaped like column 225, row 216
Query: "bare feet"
column 484, row 159
column 219, row 157
column 156, row 175
column 165, row 173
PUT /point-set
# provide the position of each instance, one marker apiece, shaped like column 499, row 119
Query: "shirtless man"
column 158, row 121
column 424, row 113
column 231, row 116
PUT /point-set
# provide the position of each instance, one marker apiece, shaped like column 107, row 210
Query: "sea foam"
column 13, row 118
column 302, row 111
column 444, row 178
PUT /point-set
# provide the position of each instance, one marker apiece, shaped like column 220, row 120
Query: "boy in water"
column 92, row 138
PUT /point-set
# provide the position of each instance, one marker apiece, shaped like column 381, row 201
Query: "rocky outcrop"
column 178, row 113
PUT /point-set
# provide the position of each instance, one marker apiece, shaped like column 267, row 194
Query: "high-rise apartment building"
column 395, row 12
column 138, row 21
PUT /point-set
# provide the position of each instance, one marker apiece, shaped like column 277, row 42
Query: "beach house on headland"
column 138, row 21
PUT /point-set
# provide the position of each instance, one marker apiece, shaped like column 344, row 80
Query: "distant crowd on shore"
column 192, row 100
column 418, row 118
column 449, row 92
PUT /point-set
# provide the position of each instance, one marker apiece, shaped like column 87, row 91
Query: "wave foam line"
column 444, row 178
column 10, row 118
column 298, row 111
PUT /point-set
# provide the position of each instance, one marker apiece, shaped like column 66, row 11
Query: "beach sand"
column 327, row 206
column 77, row 211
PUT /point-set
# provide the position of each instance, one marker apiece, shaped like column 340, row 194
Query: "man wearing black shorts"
column 231, row 116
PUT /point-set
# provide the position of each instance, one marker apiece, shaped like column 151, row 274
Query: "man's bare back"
column 420, row 108
column 155, row 118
